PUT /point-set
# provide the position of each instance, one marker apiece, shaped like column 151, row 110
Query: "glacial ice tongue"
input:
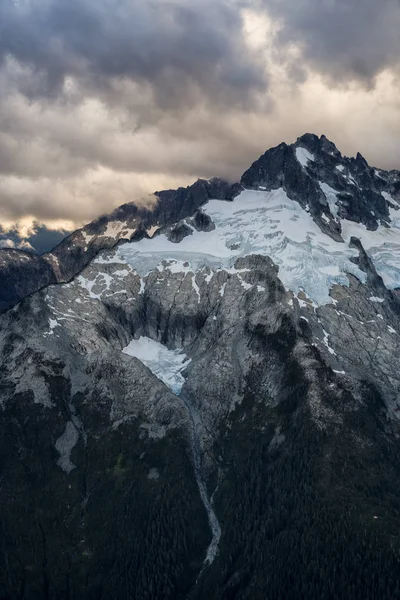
column 166, row 364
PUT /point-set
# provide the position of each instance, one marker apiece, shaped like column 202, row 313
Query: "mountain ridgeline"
column 201, row 400
column 23, row 273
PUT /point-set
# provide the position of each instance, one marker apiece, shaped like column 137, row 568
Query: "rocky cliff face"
column 22, row 273
column 212, row 410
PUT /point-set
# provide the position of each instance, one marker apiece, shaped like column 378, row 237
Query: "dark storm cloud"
column 80, row 78
column 179, row 48
column 342, row 39
column 103, row 101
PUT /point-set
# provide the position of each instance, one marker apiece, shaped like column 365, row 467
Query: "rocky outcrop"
column 180, row 231
column 22, row 274
column 358, row 185
column 202, row 222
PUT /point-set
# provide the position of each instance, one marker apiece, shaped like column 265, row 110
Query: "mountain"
column 211, row 409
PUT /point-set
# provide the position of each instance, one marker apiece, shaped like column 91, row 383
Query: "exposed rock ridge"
column 361, row 188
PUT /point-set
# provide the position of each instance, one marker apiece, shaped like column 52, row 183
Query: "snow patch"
column 64, row 446
column 151, row 231
column 351, row 179
column 326, row 343
column 88, row 238
column 376, row 299
column 117, row 229
column 88, row 285
column 244, row 284
column 196, row 288
column 331, row 197
column 122, row 273
column 388, row 197
column 165, row 364
column 304, row 156
column 222, row 290
column 208, row 277
column 52, row 324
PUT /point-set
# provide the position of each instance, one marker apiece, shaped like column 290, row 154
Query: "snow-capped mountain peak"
column 231, row 353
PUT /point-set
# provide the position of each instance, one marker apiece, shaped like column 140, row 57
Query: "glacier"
column 270, row 224
column 255, row 222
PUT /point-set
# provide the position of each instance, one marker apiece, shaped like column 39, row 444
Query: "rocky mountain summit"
column 208, row 406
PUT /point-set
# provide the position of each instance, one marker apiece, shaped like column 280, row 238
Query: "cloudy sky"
column 105, row 101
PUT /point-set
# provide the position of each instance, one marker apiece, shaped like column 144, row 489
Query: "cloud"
column 16, row 242
column 35, row 238
column 180, row 49
column 87, row 87
column 42, row 239
column 342, row 39
column 103, row 102
column 7, row 243
column 61, row 202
